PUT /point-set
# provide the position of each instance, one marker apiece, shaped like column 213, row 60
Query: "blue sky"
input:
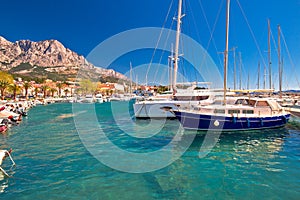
column 82, row 25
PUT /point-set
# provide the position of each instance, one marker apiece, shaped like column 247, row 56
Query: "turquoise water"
column 53, row 163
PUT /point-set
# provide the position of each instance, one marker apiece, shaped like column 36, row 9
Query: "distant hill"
column 48, row 59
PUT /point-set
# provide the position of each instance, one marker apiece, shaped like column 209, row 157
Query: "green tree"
column 15, row 89
column 45, row 88
column 53, row 90
column 36, row 91
column 66, row 91
column 59, row 85
column 26, row 86
column 3, row 85
column 5, row 80
column 87, row 86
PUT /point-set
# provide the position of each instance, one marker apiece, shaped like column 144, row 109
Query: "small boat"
column 4, row 154
column 87, row 99
column 99, row 98
column 3, row 128
column 10, row 115
column 294, row 109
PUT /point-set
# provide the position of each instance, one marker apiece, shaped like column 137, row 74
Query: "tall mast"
column 269, row 54
column 248, row 81
column 130, row 78
column 226, row 50
column 279, row 63
column 258, row 79
column 234, row 68
column 240, row 56
column 265, row 76
column 171, row 59
column 179, row 16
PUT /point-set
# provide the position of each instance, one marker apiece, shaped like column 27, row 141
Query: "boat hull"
column 3, row 128
column 196, row 121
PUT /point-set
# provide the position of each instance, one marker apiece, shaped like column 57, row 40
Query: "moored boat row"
column 11, row 113
column 243, row 113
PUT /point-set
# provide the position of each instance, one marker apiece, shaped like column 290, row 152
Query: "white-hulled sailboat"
column 183, row 98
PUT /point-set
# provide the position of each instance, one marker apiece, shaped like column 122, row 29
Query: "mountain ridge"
column 51, row 56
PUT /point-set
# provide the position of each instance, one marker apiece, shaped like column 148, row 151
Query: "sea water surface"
column 53, row 163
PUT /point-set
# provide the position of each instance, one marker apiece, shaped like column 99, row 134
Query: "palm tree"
column 66, row 91
column 59, row 85
column 26, row 86
column 52, row 90
column 44, row 89
column 3, row 85
column 36, row 91
column 15, row 88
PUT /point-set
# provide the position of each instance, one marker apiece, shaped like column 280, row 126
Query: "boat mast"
column 176, row 55
column 269, row 54
column 130, row 78
column 171, row 59
column 226, row 50
column 265, row 76
column 234, row 68
column 248, row 81
column 279, row 63
column 258, row 79
column 240, row 56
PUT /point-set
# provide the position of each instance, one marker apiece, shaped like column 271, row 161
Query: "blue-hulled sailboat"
column 241, row 113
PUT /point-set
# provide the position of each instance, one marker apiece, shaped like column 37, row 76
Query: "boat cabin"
column 242, row 107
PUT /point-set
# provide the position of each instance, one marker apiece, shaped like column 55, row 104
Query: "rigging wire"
column 159, row 38
column 163, row 52
column 251, row 31
column 211, row 31
column 290, row 57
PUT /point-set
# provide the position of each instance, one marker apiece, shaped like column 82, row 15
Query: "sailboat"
column 239, row 113
column 183, row 98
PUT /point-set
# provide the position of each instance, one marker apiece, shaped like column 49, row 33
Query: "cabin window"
column 190, row 98
column 262, row 103
column 219, row 111
column 233, row 111
column 252, row 102
column 197, row 108
column 242, row 101
column 248, row 112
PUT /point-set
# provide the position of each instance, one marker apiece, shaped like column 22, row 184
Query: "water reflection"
column 237, row 157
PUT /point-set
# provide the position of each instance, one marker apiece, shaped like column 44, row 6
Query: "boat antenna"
column 226, row 50
column 176, row 53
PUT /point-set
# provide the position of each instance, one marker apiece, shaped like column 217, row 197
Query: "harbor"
column 149, row 100
column 51, row 159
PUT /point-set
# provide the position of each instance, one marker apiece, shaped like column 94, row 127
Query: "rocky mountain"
column 47, row 58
